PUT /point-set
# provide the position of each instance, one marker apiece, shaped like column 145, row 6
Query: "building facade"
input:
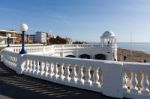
column 4, row 35
column 41, row 37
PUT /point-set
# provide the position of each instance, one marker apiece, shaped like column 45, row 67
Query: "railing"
column 115, row 79
column 9, row 58
column 136, row 80
column 71, row 72
column 85, row 74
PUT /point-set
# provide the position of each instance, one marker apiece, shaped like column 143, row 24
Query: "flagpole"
column 131, row 45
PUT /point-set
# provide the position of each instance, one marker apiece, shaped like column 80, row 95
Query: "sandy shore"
column 134, row 56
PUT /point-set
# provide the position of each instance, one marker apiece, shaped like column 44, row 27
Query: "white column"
column 88, row 76
column 96, row 82
column 134, row 82
column 80, row 75
column 61, row 71
column 56, row 70
column 112, row 79
column 51, row 69
column 47, row 67
column 125, row 77
column 74, row 74
column 67, row 72
column 38, row 67
column 145, row 84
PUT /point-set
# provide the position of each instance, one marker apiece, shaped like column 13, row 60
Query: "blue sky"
column 80, row 19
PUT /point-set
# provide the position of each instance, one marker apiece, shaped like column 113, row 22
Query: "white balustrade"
column 108, row 77
column 139, row 80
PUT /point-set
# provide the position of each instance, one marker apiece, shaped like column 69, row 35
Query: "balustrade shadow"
column 24, row 87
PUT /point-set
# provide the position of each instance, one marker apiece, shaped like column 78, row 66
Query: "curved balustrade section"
column 111, row 78
column 95, row 75
column 9, row 58
column 72, row 72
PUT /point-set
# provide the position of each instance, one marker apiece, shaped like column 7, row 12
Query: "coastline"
column 132, row 56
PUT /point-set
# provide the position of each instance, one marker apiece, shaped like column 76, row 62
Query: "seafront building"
column 38, row 37
column 41, row 37
column 4, row 35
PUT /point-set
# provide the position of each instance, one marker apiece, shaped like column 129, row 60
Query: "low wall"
column 111, row 78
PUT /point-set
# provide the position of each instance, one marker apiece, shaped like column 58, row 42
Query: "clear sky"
column 80, row 19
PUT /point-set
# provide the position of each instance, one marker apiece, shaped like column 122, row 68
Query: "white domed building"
column 108, row 42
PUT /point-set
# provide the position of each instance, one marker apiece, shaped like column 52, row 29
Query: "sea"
column 145, row 47
column 137, row 46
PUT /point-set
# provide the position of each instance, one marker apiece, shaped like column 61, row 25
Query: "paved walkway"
column 13, row 86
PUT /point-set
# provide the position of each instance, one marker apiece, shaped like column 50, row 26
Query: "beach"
column 132, row 56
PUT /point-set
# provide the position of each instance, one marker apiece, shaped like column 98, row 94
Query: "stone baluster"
column 56, row 70
column 67, row 72
column 31, row 64
column 80, row 75
column 46, row 69
column 61, row 72
column 37, row 67
column 133, row 82
column 74, row 74
column 34, row 66
column 41, row 67
column 88, row 76
column 51, row 69
column 26, row 67
column 125, row 80
column 96, row 82
column 144, row 84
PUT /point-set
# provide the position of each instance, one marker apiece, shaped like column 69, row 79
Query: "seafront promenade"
column 14, row 86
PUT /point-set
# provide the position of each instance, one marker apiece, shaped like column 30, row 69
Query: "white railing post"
column 56, row 70
column 38, row 67
column 47, row 67
column 88, row 76
column 61, row 71
column 96, row 82
column 67, row 73
column 133, row 82
column 51, row 69
column 125, row 81
column 112, row 79
column 20, row 63
column 144, row 84
column 80, row 75
column 74, row 74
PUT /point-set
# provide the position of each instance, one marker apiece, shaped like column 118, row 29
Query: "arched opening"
column 100, row 57
column 85, row 56
column 72, row 56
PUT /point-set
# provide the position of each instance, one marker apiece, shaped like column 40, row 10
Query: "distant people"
column 124, row 58
column 108, row 43
column 144, row 60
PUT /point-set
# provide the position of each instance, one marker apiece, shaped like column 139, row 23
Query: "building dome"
column 108, row 34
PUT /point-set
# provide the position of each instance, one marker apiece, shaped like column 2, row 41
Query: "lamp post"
column 8, row 40
column 23, row 28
